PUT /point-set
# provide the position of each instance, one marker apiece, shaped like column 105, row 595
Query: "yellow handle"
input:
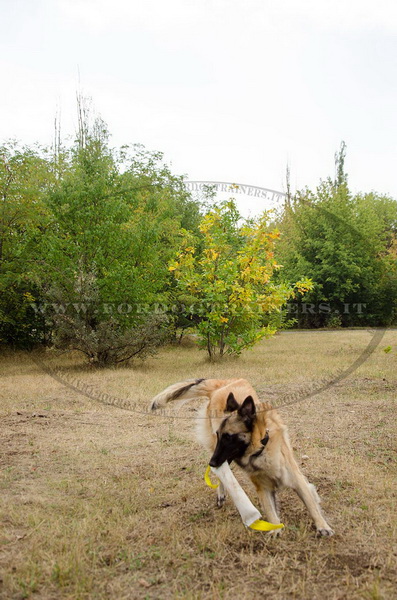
column 260, row 525
column 208, row 480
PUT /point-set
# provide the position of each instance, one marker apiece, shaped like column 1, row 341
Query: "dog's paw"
column 275, row 533
column 324, row 532
column 220, row 500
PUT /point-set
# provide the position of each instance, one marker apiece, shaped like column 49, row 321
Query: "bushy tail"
column 183, row 390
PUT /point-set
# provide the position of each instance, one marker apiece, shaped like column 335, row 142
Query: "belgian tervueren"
column 236, row 426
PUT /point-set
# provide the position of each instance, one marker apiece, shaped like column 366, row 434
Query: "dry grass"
column 99, row 502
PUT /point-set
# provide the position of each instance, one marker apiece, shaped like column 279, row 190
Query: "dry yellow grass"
column 99, row 502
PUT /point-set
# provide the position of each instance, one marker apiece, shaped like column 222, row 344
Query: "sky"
column 229, row 90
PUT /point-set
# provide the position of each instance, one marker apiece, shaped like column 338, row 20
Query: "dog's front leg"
column 247, row 510
column 221, row 495
column 307, row 493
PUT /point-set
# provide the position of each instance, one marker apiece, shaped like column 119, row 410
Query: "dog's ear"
column 247, row 410
column 231, row 403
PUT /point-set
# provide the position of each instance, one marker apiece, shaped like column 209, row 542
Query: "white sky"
column 228, row 90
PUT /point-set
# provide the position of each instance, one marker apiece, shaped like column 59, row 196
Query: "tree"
column 25, row 177
column 230, row 280
column 341, row 242
column 115, row 219
column 340, row 173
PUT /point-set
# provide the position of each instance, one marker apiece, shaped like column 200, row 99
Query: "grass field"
column 99, row 502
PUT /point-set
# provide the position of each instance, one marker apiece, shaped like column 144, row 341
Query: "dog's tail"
column 186, row 390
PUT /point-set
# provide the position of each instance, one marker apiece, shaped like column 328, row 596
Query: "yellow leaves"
column 209, row 221
column 230, row 278
column 29, row 297
column 211, row 254
column 174, row 265
column 304, row 285
column 274, row 235
column 245, row 273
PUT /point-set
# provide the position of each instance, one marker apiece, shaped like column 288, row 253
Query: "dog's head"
column 234, row 433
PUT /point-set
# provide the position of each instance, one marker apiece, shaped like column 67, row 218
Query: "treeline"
column 103, row 250
column 347, row 245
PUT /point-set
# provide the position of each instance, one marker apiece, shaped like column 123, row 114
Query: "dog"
column 236, row 426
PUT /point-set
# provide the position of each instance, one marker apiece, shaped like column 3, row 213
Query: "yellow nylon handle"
column 261, row 525
column 208, row 480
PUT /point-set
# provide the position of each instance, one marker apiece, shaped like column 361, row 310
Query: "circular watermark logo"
column 251, row 199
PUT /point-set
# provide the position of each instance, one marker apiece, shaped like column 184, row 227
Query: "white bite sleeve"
column 247, row 510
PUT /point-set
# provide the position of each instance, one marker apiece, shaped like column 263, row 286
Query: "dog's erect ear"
column 231, row 403
column 247, row 409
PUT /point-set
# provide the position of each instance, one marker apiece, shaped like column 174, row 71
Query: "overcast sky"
column 229, row 90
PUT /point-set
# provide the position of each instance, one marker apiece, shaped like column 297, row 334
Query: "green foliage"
column 115, row 224
column 345, row 244
column 89, row 236
column 25, row 177
column 86, row 234
column 230, row 281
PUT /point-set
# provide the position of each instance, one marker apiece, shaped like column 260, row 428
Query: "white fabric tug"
column 247, row 510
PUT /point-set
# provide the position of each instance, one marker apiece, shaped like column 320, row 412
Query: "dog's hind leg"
column 307, row 493
column 267, row 499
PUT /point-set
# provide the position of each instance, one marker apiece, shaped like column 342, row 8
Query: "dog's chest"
column 257, row 462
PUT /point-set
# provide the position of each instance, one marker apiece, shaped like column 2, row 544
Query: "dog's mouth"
column 218, row 458
column 217, row 463
column 222, row 455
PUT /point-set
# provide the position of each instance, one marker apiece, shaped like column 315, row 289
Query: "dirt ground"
column 99, row 502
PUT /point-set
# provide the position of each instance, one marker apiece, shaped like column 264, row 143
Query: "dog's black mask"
column 233, row 435
column 228, row 448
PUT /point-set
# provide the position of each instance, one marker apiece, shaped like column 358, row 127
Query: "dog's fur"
column 235, row 425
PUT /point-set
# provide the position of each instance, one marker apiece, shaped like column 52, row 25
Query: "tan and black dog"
column 236, row 426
